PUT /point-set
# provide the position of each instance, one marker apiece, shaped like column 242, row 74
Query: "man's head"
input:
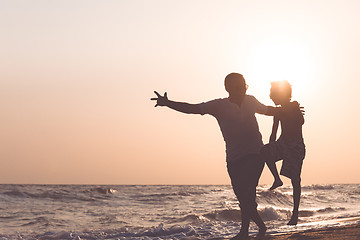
column 280, row 92
column 235, row 84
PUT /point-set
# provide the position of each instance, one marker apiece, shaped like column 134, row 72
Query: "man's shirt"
column 238, row 125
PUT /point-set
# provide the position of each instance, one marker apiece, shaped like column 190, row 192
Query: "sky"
column 76, row 78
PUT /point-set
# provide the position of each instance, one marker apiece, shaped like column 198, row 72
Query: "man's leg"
column 245, row 223
column 248, row 212
column 244, row 179
column 254, row 214
column 296, row 197
column 237, row 173
column 256, row 169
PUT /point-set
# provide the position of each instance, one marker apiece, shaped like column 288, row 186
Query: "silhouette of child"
column 290, row 146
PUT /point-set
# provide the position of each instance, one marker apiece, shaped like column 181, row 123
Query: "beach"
column 348, row 232
column 172, row 212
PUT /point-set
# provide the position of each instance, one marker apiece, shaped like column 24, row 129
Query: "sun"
column 279, row 58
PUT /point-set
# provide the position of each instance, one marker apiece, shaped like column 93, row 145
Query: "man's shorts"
column 291, row 152
column 244, row 174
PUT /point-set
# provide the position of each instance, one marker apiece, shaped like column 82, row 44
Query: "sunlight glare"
column 279, row 59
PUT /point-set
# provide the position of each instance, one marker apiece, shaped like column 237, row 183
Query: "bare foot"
column 276, row 184
column 293, row 220
column 241, row 236
column 261, row 233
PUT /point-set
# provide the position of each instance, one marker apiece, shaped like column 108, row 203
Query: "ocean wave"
column 267, row 213
column 103, row 190
column 190, row 219
column 225, row 215
column 230, row 215
column 270, row 213
column 274, row 198
column 93, row 194
column 15, row 193
column 319, row 187
column 137, row 212
column 111, row 219
column 60, row 235
column 218, row 215
column 36, row 221
column 159, row 231
column 165, row 196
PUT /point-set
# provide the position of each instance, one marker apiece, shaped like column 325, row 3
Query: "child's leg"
column 277, row 181
column 271, row 153
column 296, row 197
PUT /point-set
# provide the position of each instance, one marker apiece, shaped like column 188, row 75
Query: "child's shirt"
column 291, row 119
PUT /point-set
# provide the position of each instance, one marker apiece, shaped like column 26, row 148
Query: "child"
column 290, row 146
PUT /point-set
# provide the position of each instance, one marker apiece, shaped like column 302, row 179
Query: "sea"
column 163, row 211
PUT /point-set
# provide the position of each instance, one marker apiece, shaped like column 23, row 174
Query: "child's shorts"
column 291, row 152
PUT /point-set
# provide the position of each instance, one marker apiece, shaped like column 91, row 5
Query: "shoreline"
column 345, row 232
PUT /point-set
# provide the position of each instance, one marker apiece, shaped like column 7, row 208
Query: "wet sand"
column 349, row 232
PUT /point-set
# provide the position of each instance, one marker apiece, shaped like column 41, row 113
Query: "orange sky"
column 76, row 78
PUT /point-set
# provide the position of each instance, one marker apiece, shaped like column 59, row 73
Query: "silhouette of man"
column 237, row 121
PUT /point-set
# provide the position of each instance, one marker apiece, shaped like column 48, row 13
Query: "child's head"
column 235, row 84
column 280, row 92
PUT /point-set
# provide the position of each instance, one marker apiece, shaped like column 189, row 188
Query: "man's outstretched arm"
column 178, row 106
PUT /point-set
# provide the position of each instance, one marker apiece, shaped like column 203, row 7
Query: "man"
column 236, row 118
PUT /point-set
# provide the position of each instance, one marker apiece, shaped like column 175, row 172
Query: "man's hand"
column 160, row 100
column 302, row 110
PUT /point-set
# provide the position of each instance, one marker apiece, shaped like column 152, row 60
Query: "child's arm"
column 274, row 129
